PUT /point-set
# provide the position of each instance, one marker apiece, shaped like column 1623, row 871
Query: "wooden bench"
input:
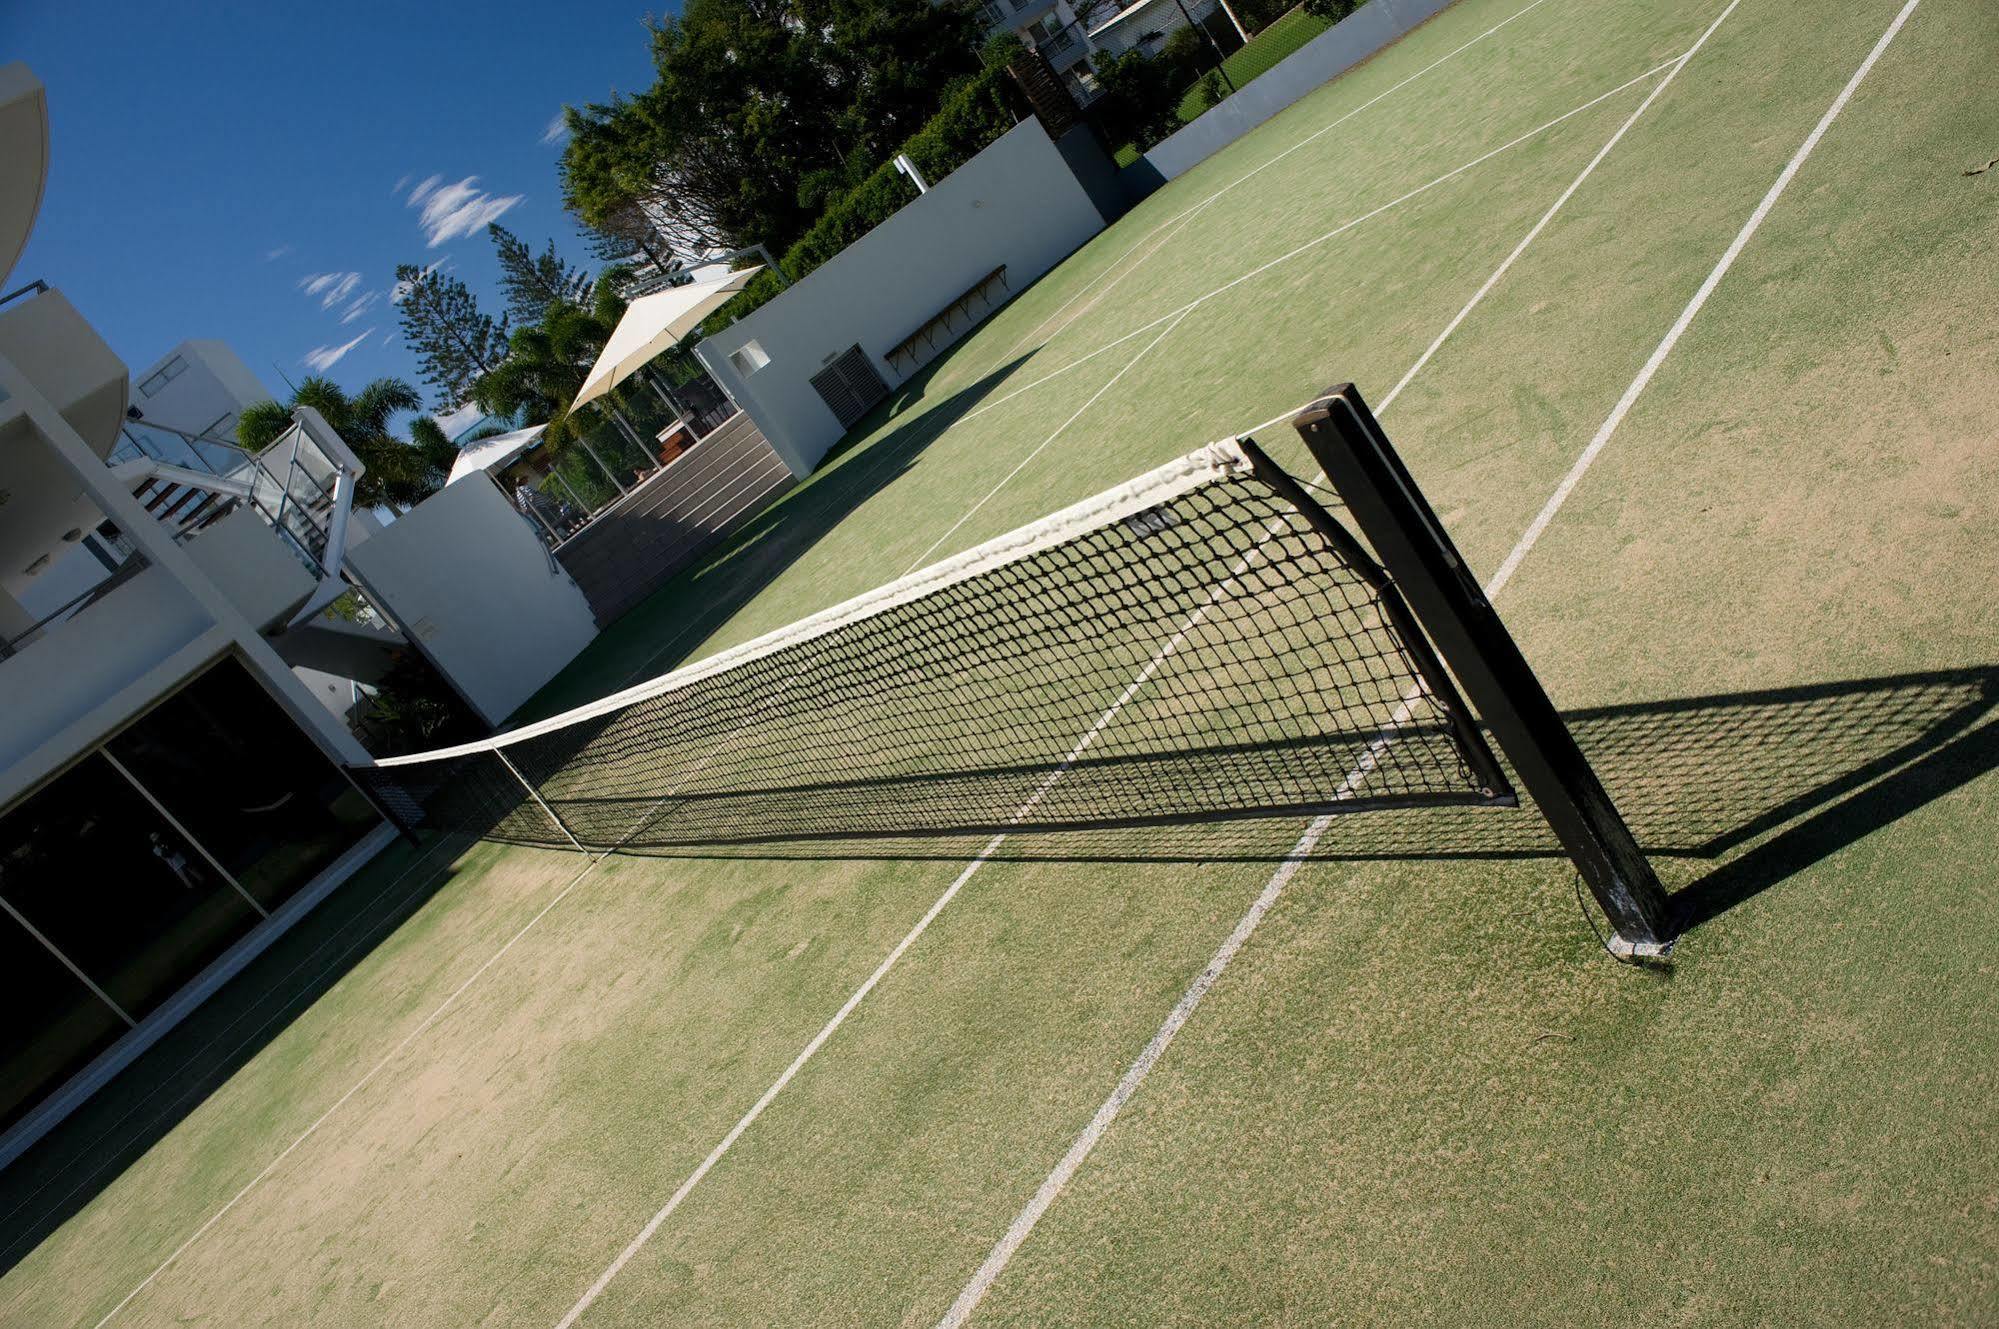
column 940, row 322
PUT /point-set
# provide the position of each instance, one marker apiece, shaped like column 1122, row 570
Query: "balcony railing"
column 133, row 565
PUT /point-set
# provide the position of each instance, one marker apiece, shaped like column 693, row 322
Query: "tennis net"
column 1204, row 642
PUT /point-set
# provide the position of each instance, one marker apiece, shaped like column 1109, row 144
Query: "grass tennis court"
column 1193, row 1074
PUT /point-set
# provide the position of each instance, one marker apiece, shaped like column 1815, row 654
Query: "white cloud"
column 454, row 423
column 322, row 358
column 330, row 287
column 423, row 187
column 362, row 303
column 401, row 180
column 557, row 128
column 450, row 211
column 271, row 255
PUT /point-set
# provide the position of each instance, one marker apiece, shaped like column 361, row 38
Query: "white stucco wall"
column 1017, row 203
column 69, row 671
column 1331, row 53
column 480, row 596
column 249, row 563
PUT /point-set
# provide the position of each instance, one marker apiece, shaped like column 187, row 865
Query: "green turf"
column 1419, row 1094
column 1291, row 30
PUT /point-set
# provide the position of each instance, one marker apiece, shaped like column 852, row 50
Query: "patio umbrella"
column 652, row 323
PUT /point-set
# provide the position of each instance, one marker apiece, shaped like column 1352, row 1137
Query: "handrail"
column 118, row 576
column 38, row 286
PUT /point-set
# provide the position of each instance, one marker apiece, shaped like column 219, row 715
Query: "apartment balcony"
column 63, row 359
column 1027, row 11
column 1064, row 50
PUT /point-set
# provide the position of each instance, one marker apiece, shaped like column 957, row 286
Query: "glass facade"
column 54, row 1024
column 127, row 875
column 223, row 758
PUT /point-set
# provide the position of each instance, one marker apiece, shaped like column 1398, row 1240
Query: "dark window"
column 54, row 1024
column 99, row 872
column 253, row 790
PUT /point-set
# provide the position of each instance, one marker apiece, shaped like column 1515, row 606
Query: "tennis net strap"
column 1203, row 642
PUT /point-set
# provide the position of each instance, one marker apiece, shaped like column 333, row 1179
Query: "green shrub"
column 978, row 111
column 1211, row 89
column 1335, row 10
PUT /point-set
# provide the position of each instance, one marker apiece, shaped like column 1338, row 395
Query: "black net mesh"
column 1210, row 657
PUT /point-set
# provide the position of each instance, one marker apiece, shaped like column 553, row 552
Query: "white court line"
column 1506, row 265
column 1175, row 314
column 96, row 1148
column 1041, row 447
column 1316, row 241
column 749, row 1118
column 1700, row 298
column 1058, row 1179
column 1186, row 213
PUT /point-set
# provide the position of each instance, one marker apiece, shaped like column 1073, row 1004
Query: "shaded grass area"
column 1420, row 1095
column 1285, row 34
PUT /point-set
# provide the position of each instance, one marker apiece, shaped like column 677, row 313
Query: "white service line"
column 1041, row 447
column 1700, row 298
column 359, row 1085
column 652, row 1225
column 1316, row 134
column 1678, row 63
column 1183, row 1010
column 1052, row 1186
column 1316, row 241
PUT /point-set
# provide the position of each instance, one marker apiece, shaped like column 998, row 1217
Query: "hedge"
column 976, row 112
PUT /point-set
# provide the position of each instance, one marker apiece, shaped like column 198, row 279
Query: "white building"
column 199, row 387
column 171, row 796
column 1051, row 27
column 1145, row 25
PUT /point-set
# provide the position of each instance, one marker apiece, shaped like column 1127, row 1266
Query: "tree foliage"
column 453, row 341
column 398, row 470
column 759, row 112
column 531, row 281
column 546, row 364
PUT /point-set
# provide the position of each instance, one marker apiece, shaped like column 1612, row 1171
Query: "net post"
column 1349, row 445
column 540, row 802
column 1416, row 647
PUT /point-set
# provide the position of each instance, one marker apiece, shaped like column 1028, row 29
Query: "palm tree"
column 398, row 470
column 545, row 367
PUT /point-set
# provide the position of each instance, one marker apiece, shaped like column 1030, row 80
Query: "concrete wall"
column 1017, row 203
column 476, row 592
column 1339, row 48
column 66, row 673
column 251, row 565
column 209, row 393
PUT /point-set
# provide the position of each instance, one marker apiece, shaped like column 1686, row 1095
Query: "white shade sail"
column 489, row 454
column 652, row 323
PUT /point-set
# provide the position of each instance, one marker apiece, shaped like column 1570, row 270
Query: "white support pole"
column 184, row 833
column 539, row 801
column 69, row 964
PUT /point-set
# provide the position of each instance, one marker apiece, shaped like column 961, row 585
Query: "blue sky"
column 246, row 171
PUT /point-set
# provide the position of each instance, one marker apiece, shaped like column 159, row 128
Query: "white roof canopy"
column 652, row 323
column 489, row 454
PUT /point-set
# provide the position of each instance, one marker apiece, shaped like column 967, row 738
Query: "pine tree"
column 453, row 342
column 535, row 281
